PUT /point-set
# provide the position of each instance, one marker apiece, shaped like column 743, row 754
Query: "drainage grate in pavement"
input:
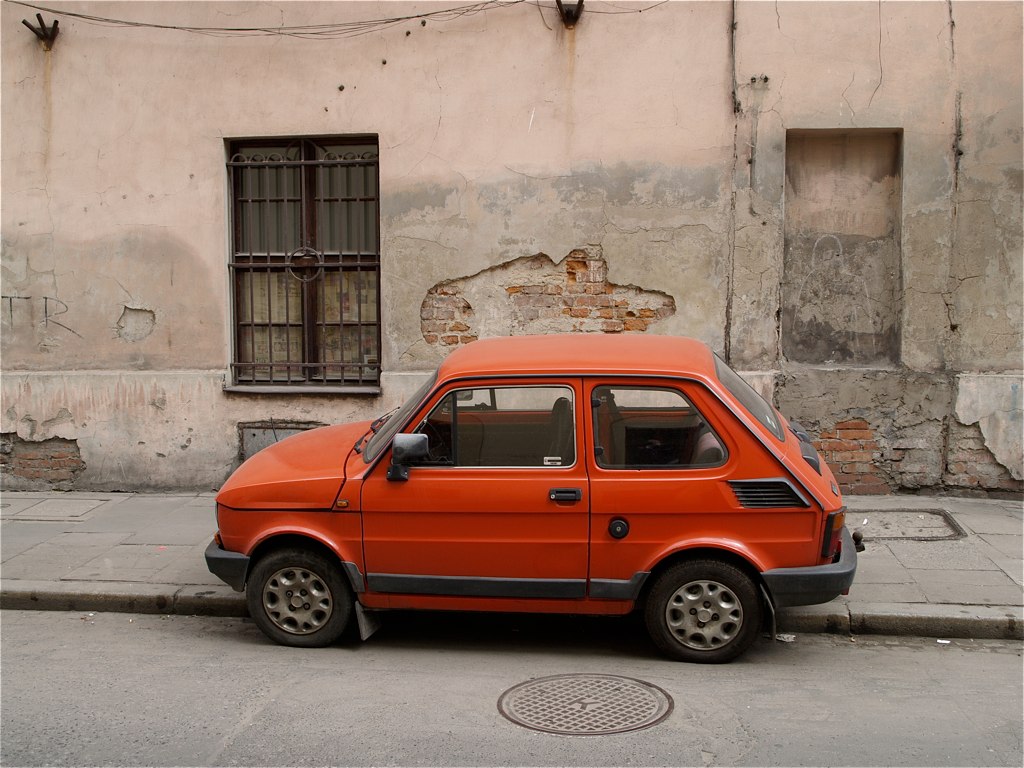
column 585, row 705
column 904, row 524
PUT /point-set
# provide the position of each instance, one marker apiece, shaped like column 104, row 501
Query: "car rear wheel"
column 705, row 611
column 298, row 597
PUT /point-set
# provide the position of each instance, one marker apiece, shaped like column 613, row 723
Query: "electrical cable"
column 324, row 31
column 309, row 31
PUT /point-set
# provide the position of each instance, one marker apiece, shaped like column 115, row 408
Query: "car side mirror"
column 406, row 450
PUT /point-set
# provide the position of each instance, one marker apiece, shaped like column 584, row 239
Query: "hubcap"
column 297, row 600
column 704, row 615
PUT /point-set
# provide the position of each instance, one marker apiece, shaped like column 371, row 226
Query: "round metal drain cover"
column 585, row 705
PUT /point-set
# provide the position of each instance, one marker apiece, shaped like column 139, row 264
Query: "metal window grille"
column 305, row 263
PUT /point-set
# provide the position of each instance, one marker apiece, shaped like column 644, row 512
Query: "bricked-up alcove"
column 841, row 268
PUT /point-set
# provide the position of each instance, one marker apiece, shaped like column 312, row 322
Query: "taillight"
column 833, row 529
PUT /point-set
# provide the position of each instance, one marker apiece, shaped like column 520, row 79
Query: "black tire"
column 704, row 611
column 298, row 597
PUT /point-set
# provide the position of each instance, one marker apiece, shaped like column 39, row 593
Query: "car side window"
column 651, row 428
column 502, row 427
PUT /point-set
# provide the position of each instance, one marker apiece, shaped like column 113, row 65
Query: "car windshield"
column 749, row 398
column 386, row 429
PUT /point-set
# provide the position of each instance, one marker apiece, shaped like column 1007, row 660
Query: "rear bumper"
column 814, row 584
column 229, row 567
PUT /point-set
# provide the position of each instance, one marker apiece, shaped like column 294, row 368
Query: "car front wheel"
column 298, row 598
column 705, row 611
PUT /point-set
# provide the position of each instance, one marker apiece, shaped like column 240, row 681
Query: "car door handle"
column 565, row 494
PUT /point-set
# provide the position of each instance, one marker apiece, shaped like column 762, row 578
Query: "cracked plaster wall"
column 994, row 404
column 503, row 136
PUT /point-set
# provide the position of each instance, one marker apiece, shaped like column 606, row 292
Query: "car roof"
column 581, row 354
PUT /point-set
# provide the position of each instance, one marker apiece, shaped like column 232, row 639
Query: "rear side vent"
column 767, row 494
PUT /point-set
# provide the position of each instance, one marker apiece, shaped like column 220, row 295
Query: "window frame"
column 315, row 256
column 600, row 451
column 418, row 426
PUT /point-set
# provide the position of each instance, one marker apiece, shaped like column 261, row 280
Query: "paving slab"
column 995, row 522
column 11, row 507
column 1012, row 567
column 57, row 509
column 131, row 562
column 19, row 537
column 878, row 565
column 958, row 594
column 1005, row 544
column 61, row 554
column 940, row 555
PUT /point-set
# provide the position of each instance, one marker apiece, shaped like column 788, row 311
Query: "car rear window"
column 749, row 398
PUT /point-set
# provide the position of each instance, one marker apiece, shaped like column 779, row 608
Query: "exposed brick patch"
column 534, row 295
column 53, row 463
column 852, row 452
column 971, row 465
column 446, row 318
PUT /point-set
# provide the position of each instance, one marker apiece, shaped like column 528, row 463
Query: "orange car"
column 585, row 474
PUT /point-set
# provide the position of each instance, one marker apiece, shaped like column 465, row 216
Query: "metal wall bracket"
column 570, row 16
column 45, row 34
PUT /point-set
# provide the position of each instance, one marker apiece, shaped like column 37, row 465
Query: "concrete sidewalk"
column 934, row 566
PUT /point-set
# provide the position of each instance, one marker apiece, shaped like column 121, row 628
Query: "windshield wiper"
column 374, row 427
column 379, row 421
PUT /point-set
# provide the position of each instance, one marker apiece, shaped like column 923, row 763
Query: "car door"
column 499, row 507
column 656, row 463
column 666, row 454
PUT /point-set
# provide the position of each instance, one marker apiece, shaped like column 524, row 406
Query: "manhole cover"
column 585, row 705
column 908, row 524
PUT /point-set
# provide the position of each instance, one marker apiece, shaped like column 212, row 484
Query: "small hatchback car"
column 583, row 474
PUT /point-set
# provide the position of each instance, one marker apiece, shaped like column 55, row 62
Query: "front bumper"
column 229, row 567
column 814, row 584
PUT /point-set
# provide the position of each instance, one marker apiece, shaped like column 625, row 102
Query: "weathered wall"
column 948, row 316
column 628, row 175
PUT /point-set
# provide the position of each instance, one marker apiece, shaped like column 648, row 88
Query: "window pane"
column 260, row 346
column 503, row 427
column 646, row 428
column 269, row 209
column 269, row 297
column 347, row 199
column 360, row 296
column 749, row 398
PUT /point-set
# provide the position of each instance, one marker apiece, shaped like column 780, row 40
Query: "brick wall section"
column 852, row 452
column 589, row 303
column 572, row 297
column 971, row 465
column 53, row 463
column 446, row 318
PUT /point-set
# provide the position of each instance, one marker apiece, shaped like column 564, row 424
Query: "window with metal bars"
column 305, row 263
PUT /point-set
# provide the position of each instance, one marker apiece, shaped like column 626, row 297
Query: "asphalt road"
column 119, row 689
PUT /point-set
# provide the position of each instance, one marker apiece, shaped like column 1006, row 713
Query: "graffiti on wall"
column 22, row 310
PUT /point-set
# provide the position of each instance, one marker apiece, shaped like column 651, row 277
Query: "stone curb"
column 922, row 620
column 122, row 597
column 918, row 619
